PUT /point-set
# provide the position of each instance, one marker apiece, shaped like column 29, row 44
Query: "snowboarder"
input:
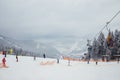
column 44, row 56
column 4, row 62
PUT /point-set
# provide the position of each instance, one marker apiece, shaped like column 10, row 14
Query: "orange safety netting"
column 47, row 62
column 72, row 59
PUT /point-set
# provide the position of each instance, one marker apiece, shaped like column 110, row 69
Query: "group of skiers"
column 5, row 55
column 44, row 56
column 4, row 59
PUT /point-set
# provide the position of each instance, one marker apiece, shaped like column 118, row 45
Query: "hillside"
column 28, row 47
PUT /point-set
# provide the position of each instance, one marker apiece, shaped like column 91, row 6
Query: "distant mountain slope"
column 40, row 48
column 31, row 46
column 71, row 47
column 8, row 42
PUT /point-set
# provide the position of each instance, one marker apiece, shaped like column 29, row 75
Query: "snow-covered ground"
column 28, row 69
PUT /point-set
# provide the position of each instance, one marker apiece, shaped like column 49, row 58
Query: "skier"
column 34, row 57
column 96, row 62
column 44, row 55
column 57, row 60
column 88, row 59
column 4, row 53
column 68, row 62
column 16, row 58
column 88, row 62
column 4, row 62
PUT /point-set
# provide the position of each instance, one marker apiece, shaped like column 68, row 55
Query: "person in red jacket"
column 4, row 62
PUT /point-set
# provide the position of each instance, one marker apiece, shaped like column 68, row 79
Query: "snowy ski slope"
column 48, row 69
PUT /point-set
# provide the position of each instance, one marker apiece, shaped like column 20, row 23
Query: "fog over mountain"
column 52, row 48
column 31, row 46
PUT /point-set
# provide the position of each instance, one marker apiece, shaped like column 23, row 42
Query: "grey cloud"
column 55, row 18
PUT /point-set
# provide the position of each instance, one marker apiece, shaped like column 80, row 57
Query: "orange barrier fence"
column 72, row 59
column 47, row 62
column 84, row 60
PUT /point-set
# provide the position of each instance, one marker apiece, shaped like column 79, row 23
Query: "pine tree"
column 95, row 49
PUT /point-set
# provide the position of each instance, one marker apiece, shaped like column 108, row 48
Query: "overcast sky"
column 33, row 19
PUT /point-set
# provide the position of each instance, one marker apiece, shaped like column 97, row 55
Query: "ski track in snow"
column 28, row 69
